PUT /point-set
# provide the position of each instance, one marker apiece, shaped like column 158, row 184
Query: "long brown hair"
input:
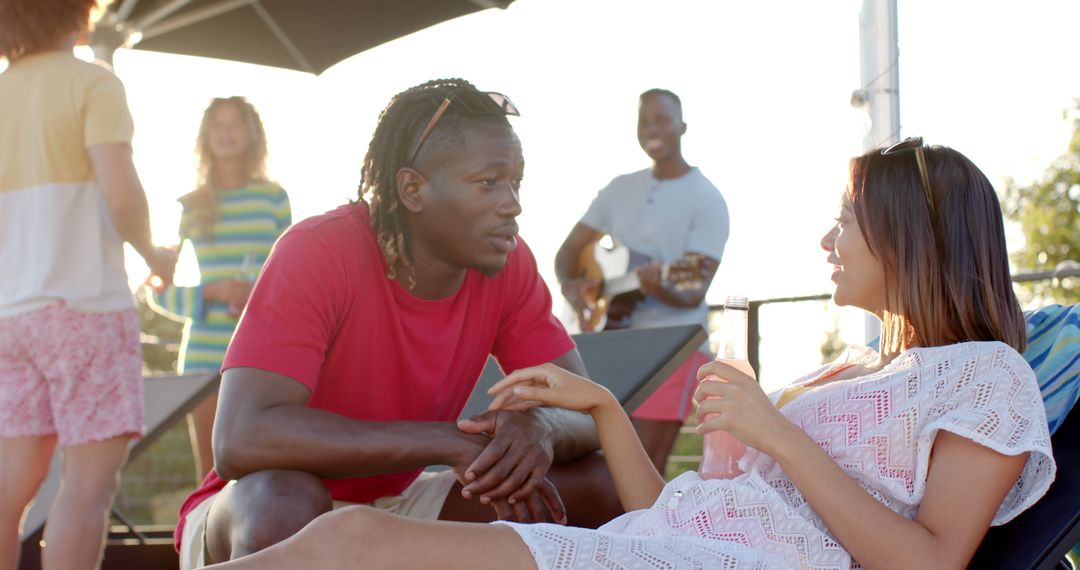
column 203, row 202
column 946, row 265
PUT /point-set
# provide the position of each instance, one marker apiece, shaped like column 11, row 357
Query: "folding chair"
column 630, row 363
column 167, row 399
column 1040, row 537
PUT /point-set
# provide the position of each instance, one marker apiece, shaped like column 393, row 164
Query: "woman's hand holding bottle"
column 733, row 401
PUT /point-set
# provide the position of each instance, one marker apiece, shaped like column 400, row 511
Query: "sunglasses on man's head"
column 915, row 144
column 474, row 102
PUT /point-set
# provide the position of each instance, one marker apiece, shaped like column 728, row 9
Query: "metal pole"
column 880, row 74
column 108, row 34
column 880, row 90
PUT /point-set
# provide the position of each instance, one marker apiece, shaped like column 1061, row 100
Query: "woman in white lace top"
column 898, row 459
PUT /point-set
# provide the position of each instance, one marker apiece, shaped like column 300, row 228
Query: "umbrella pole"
column 108, row 35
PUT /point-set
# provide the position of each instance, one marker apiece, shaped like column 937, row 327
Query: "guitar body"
column 602, row 264
column 588, row 267
column 619, row 290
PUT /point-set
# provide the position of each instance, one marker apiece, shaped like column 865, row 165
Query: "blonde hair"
column 203, row 202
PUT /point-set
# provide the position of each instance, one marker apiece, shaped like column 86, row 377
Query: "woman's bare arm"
column 636, row 479
column 965, row 486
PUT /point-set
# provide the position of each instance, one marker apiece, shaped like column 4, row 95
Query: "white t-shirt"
column 663, row 220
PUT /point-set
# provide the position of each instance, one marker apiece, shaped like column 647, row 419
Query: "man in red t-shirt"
column 365, row 335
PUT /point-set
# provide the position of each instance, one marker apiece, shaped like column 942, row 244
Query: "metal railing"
column 1068, row 269
column 754, row 334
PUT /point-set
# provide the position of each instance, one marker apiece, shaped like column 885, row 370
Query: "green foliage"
column 686, row 453
column 833, row 345
column 155, row 484
column 1048, row 212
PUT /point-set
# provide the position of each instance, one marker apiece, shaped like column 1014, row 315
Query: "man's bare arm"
column 263, row 423
column 576, row 241
column 125, row 201
column 566, row 259
column 670, row 293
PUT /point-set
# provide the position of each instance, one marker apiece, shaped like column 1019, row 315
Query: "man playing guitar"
column 673, row 215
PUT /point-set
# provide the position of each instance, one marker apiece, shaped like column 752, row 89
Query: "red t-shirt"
column 324, row 314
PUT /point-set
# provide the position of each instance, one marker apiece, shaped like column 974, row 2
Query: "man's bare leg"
column 262, row 509
column 362, row 537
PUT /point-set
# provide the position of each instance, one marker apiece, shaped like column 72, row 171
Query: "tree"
column 1048, row 212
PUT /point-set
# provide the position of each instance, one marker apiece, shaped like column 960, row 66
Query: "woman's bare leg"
column 75, row 528
column 24, row 464
column 362, row 537
column 201, row 428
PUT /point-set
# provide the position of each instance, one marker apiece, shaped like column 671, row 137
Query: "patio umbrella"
column 306, row 35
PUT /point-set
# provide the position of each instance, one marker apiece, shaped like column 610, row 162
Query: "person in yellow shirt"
column 70, row 361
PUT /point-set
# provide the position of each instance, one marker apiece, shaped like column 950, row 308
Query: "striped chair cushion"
column 1054, row 353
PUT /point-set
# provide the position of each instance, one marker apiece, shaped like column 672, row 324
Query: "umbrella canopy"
column 306, row 35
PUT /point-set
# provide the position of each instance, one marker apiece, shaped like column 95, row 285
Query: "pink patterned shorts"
column 672, row 401
column 70, row 373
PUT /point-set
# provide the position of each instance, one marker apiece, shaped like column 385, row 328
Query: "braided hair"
column 399, row 127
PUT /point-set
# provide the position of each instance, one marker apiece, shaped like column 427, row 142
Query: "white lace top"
column 879, row 428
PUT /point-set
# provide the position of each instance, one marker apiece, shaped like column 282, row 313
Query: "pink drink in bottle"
column 721, row 452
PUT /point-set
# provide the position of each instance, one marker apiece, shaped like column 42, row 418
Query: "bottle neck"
column 733, row 342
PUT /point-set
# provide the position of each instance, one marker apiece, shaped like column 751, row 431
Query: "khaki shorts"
column 423, row 499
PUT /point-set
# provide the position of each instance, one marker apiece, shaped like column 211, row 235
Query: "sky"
column 765, row 89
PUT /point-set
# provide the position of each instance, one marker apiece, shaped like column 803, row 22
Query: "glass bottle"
column 249, row 271
column 721, row 451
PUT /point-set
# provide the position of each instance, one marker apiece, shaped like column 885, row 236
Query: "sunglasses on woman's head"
column 915, row 144
column 474, row 102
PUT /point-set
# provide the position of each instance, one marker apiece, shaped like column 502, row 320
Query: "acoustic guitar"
column 619, row 288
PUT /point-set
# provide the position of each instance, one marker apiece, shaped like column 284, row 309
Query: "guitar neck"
column 616, row 286
column 622, row 284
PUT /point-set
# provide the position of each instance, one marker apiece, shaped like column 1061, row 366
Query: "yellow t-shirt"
column 57, row 242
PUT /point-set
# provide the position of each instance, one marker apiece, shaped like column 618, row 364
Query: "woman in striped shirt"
column 231, row 221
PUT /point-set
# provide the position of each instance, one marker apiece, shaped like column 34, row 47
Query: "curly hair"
column 203, row 202
column 27, row 26
column 399, row 127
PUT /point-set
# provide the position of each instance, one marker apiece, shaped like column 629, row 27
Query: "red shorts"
column 74, row 374
column 672, row 400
